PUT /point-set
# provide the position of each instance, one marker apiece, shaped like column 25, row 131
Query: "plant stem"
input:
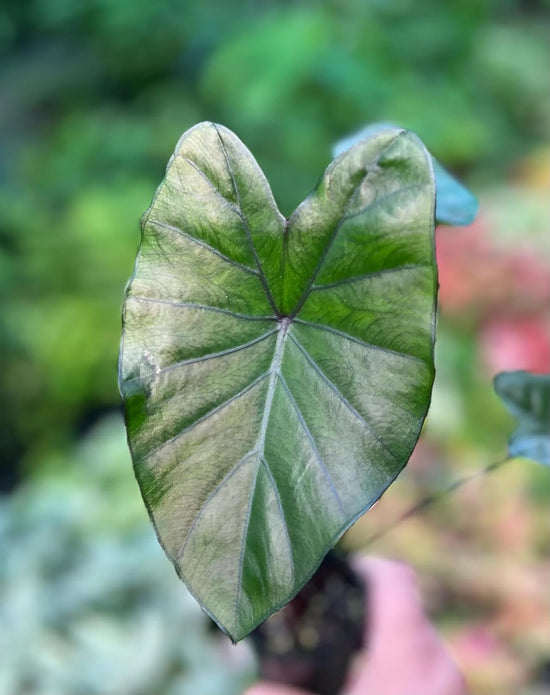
column 433, row 498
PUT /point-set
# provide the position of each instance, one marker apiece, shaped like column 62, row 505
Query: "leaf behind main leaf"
column 527, row 397
column 276, row 375
column 456, row 205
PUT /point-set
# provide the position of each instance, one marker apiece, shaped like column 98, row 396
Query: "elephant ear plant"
column 276, row 373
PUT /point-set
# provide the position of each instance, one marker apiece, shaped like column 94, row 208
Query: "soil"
column 310, row 642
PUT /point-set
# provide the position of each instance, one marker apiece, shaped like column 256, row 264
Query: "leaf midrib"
column 274, row 373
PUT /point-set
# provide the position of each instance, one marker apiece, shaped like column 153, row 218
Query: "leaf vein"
column 281, row 513
column 313, row 445
column 273, row 372
column 210, row 497
column 207, row 415
column 246, row 226
column 205, row 245
column 385, row 198
column 347, row 336
column 214, row 355
column 243, row 542
column 223, row 199
column 203, row 307
column 366, row 276
column 340, row 395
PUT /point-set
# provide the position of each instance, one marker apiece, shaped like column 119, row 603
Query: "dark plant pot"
column 311, row 641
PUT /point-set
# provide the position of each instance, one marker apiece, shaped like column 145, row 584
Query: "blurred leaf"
column 527, row 397
column 455, row 204
column 515, row 58
column 84, row 582
column 272, row 370
column 260, row 72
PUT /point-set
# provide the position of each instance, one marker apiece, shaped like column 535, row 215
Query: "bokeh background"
column 94, row 95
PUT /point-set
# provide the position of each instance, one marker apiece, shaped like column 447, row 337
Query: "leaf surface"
column 276, row 373
column 527, row 397
column 455, row 206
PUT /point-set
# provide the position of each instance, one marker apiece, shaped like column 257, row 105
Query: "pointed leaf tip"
column 276, row 374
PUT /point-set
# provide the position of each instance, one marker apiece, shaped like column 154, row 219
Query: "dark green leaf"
column 527, row 397
column 276, row 374
column 455, row 204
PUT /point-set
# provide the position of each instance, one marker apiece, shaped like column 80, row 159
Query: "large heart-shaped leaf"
column 276, row 373
column 455, row 206
column 527, row 397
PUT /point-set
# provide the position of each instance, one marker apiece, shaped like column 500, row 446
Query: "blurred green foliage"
column 95, row 94
column 89, row 606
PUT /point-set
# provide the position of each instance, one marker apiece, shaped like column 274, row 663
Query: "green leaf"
column 527, row 397
column 276, row 374
column 455, row 205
